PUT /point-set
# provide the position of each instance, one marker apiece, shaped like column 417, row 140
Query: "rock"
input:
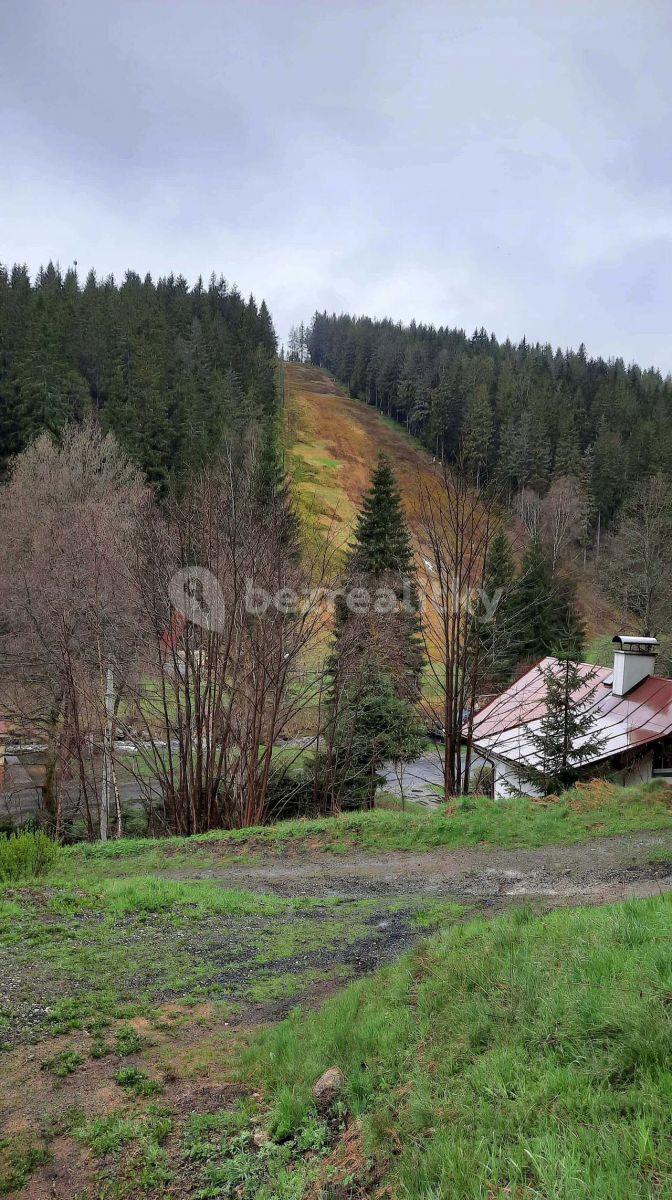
column 328, row 1088
column 261, row 1138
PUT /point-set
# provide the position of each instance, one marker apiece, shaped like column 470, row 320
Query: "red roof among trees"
column 623, row 723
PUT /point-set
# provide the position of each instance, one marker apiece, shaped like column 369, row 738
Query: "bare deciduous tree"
column 455, row 525
column 563, row 517
column 221, row 675
column 69, row 515
column 637, row 566
column 528, row 507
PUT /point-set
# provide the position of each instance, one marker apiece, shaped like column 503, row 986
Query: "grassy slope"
column 80, row 953
column 596, row 810
column 127, row 985
column 332, row 445
column 525, row 1058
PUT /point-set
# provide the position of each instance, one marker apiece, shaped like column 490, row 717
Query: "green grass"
column 127, row 1041
column 600, row 651
column 527, row 1057
column 20, row 1154
column 93, row 955
column 63, row 1064
column 135, row 1081
column 583, row 813
column 108, row 1134
column 219, row 1153
column 523, row 1059
column 599, row 811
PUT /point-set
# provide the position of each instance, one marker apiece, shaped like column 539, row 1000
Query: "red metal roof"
column 171, row 636
column 622, row 722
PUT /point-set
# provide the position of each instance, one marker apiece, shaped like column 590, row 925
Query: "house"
column 632, row 707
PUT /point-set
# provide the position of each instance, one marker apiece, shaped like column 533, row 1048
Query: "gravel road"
column 596, row 872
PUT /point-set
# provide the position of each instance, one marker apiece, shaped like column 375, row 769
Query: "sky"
column 468, row 164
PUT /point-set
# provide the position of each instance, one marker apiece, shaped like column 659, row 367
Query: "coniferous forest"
column 172, row 370
column 519, row 415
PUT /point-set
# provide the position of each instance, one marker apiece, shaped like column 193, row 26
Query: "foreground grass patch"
column 76, row 957
column 527, row 1057
column 19, row 1156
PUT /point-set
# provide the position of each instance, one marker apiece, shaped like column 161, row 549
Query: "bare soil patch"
column 593, row 872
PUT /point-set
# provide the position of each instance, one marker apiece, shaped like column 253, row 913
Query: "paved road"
column 21, row 797
column 20, row 793
column 418, row 780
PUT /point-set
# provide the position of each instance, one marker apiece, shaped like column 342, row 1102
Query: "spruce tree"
column 377, row 657
column 570, row 638
column 496, row 622
column 567, row 735
column 373, row 725
column 477, row 433
column 546, row 614
column 535, row 612
column 382, row 542
column 273, row 490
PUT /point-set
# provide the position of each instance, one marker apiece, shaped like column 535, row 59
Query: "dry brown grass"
column 333, row 444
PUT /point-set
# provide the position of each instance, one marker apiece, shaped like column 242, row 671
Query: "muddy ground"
column 596, row 872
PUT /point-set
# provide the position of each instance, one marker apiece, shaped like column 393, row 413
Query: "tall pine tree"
column 496, row 623
column 545, row 609
column 377, row 657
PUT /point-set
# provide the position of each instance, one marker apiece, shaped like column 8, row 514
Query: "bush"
column 292, row 794
column 26, row 855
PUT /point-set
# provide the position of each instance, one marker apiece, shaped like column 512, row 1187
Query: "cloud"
column 505, row 165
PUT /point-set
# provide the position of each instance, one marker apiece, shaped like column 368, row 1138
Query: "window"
column 662, row 757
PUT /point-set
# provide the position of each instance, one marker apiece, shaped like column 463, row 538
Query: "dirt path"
column 596, row 872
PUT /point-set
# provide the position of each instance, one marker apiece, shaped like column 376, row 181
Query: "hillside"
column 332, row 444
column 519, row 415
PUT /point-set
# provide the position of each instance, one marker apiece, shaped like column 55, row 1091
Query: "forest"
column 517, row 415
column 145, row 506
column 171, row 370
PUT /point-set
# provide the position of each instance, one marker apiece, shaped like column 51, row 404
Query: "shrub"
column 26, row 856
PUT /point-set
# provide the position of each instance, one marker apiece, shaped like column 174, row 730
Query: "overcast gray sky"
column 497, row 164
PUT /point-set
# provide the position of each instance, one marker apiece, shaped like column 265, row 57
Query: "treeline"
column 520, row 415
column 173, row 371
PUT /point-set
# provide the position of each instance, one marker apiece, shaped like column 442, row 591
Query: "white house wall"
column 507, row 781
